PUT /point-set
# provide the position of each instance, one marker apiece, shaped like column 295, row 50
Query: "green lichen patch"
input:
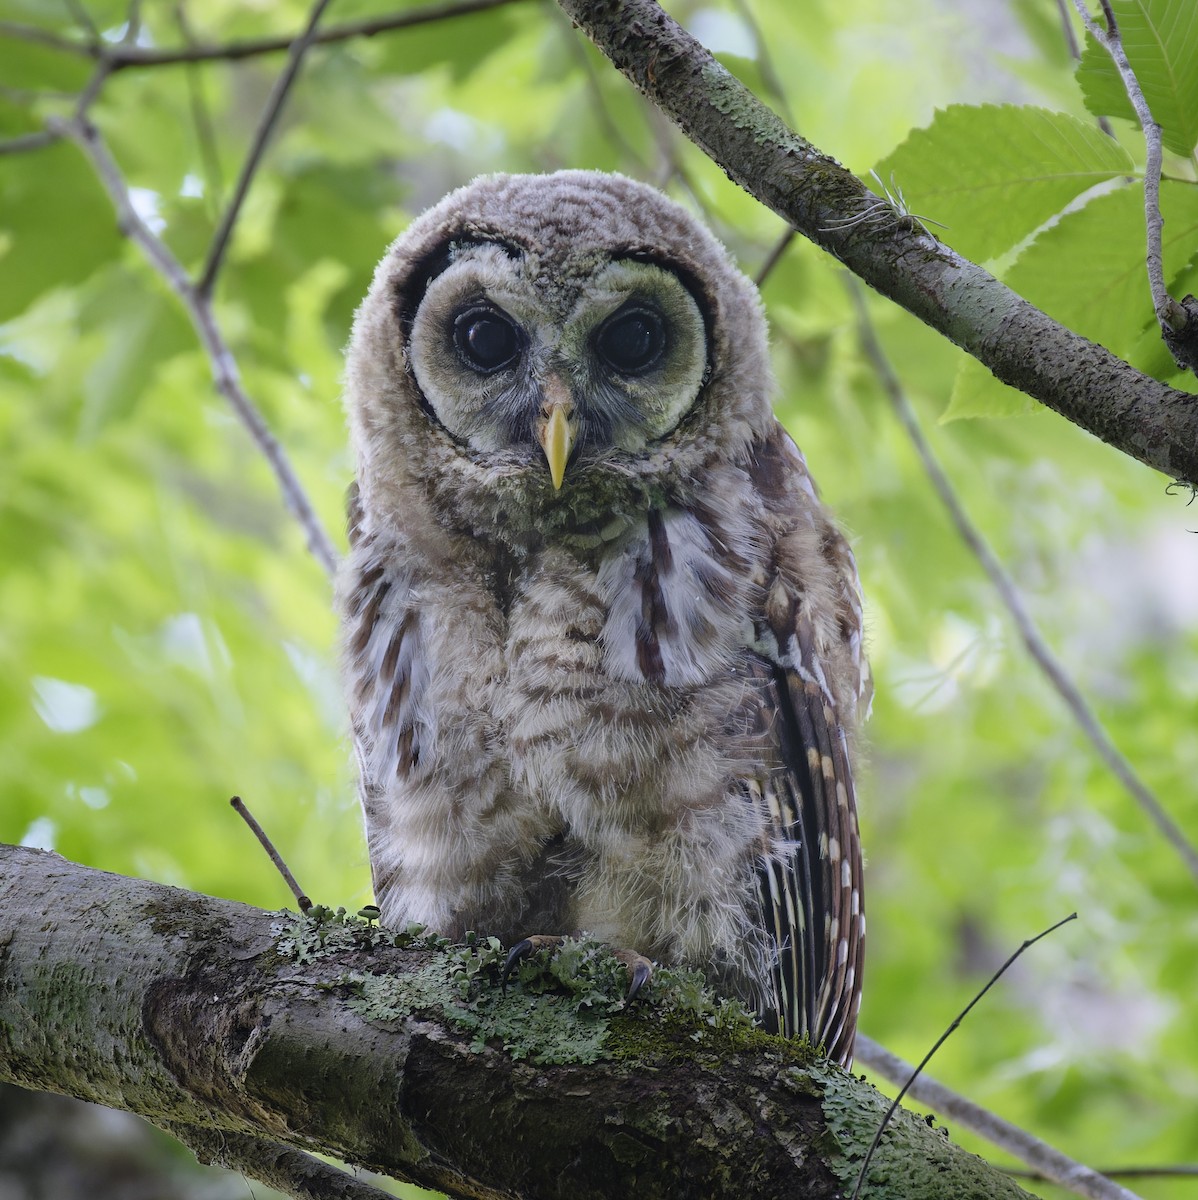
column 323, row 931
column 913, row 1158
column 557, row 1007
column 555, row 1010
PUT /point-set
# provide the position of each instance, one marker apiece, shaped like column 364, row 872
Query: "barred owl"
column 602, row 641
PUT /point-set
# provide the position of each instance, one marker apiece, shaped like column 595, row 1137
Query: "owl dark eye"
column 486, row 339
column 632, row 341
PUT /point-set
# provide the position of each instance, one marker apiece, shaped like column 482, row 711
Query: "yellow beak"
column 557, row 440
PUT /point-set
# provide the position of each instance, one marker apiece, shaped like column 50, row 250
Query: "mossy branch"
column 401, row 1054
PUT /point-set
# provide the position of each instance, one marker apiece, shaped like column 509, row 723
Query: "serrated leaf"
column 1161, row 41
column 976, row 393
column 992, row 174
column 1088, row 269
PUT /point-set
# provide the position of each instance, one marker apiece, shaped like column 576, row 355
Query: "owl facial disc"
column 556, row 366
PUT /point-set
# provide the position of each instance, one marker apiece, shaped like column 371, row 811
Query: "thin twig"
column 29, row 141
column 1183, row 1171
column 765, row 62
column 17, row 95
column 132, row 24
column 1043, row 1158
column 130, row 57
column 214, row 184
column 940, row 1042
column 775, row 256
column 84, row 20
column 281, row 1167
column 1075, row 53
column 43, row 37
column 1169, row 314
column 1008, row 593
column 224, row 366
column 274, row 108
column 275, row 857
column 611, row 127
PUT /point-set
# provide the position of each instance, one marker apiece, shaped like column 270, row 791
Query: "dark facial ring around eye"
column 631, row 340
column 486, row 339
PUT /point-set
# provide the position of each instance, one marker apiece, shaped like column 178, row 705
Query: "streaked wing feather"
column 810, row 872
column 810, row 876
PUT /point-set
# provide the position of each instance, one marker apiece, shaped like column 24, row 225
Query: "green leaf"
column 1161, row 41
column 976, row 393
column 994, row 174
column 1088, row 269
column 62, row 227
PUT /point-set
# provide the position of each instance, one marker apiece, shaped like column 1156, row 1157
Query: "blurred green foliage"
column 166, row 641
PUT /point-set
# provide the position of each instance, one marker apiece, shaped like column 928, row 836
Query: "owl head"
column 541, row 352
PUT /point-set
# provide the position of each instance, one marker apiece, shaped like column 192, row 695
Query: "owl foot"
column 638, row 966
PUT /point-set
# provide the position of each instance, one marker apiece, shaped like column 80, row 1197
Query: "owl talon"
column 639, row 968
column 522, row 949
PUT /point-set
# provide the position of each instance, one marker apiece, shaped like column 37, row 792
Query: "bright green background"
column 166, row 641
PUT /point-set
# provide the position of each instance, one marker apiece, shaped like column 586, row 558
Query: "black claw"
column 640, row 974
column 514, row 955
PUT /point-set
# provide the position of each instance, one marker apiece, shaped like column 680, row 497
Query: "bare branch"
column 29, row 141
column 1021, row 345
column 224, row 367
column 1008, row 593
column 214, row 186
column 83, row 19
column 128, row 57
column 275, row 857
column 775, row 256
column 132, row 24
column 611, row 126
column 1179, row 326
column 274, row 108
column 927, row 1058
column 765, row 61
column 43, row 37
column 1075, row 52
column 1045, row 1159
column 1182, row 1171
column 281, row 1167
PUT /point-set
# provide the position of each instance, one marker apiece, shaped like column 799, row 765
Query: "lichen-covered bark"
column 181, row 1008
column 891, row 251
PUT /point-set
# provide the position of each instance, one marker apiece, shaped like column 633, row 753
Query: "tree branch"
column 281, row 1167
column 123, row 58
column 196, row 1012
column 29, row 141
column 1022, row 346
column 224, row 366
column 274, row 108
column 1043, row 1158
column 1179, row 326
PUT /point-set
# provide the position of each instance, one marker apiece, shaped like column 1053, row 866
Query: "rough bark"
column 889, row 250
column 182, row 1008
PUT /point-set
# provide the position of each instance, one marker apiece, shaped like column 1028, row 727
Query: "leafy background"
column 166, row 640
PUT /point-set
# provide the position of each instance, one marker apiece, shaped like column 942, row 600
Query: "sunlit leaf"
column 993, row 174
column 58, row 223
column 1088, row 270
column 1160, row 38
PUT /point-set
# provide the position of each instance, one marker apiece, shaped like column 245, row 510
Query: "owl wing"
column 808, row 662
column 382, row 663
